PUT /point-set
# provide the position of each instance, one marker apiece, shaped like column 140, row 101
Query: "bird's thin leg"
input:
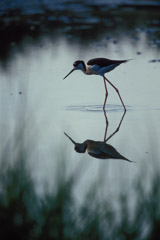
column 107, row 123
column 117, row 93
column 117, row 129
column 106, row 94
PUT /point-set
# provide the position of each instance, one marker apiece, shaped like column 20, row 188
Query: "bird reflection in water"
column 100, row 149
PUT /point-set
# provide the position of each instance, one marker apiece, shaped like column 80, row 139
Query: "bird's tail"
column 126, row 159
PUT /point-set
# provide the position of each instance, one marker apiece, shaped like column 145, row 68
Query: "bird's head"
column 78, row 147
column 77, row 65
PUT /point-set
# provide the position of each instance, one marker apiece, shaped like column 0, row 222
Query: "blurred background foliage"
column 24, row 214
column 83, row 21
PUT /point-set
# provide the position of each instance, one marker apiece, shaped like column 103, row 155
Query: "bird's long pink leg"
column 107, row 123
column 117, row 92
column 117, row 129
column 106, row 95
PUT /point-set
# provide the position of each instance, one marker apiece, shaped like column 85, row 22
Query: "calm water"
column 37, row 103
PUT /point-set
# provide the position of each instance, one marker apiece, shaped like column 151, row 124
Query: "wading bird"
column 99, row 66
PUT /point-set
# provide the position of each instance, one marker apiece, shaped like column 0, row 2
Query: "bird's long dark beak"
column 70, row 138
column 69, row 73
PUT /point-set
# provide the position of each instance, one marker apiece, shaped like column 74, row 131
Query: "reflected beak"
column 69, row 73
column 70, row 138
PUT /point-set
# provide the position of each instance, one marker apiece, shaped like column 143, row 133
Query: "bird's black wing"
column 103, row 62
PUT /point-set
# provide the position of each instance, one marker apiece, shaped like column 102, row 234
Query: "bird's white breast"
column 97, row 70
column 92, row 69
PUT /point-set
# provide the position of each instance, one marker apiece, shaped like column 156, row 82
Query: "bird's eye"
column 76, row 149
column 74, row 64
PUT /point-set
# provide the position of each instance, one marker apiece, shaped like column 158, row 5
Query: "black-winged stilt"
column 99, row 66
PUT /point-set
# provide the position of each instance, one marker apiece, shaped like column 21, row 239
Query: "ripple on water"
column 97, row 108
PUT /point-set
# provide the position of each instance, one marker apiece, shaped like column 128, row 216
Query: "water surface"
column 36, row 99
